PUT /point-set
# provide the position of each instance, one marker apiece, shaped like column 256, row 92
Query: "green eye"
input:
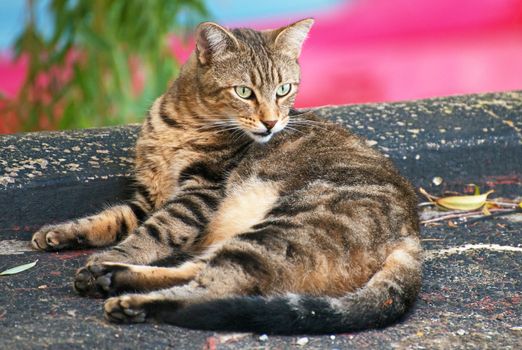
column 243, row 91
column 283, row 90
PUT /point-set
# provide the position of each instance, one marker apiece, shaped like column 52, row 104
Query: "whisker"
column 298, row 113
column 214, row 125
column 210, row 127
column 293, row 129
column 305, row 123
column 237, row 135
column 228, row 129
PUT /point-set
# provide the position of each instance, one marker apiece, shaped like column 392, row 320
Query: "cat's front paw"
column 56, row 237
column 125, row 309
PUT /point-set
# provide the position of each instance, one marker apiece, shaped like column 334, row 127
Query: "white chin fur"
column 261, row 139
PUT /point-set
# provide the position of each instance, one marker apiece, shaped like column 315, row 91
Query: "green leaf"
column 18, row 269
column 78, row 75
column 94, row 40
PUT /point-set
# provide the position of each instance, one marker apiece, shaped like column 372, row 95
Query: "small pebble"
column 461, row 332
column 263, row 337
column 332, row 337
column 437, row 180
column 71, row 313
column 302, row 341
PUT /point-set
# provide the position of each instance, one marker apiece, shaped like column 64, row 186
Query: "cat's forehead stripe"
column 264, row 70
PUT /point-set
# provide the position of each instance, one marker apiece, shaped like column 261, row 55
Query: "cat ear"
column 212, row 40
column 290, row 39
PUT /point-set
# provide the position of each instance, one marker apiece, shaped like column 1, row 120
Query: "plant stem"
column 454, row 215
column 487, row 217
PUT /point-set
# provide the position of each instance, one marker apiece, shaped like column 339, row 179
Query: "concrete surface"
column 471, row 297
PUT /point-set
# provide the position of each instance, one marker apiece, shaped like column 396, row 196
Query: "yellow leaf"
column 490, row 205
column 485, row 210
column 463, row 202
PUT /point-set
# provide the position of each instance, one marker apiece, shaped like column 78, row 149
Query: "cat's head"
column 248, row 79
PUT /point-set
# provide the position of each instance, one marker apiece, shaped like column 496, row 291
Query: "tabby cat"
column 249, row 215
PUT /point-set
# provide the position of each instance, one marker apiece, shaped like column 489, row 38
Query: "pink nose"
column 269, row 123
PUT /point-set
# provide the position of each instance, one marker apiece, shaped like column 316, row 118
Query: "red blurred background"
column 382, row 50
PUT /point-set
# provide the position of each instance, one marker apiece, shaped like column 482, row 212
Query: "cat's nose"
column 269, row 123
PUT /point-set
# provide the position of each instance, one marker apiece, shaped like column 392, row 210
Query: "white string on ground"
column 430, row 254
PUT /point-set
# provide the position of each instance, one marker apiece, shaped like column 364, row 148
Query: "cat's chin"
column 260, row 138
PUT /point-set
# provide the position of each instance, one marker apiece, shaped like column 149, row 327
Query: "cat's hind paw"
column 85, row 283
column 101, row 279
column 125, row 309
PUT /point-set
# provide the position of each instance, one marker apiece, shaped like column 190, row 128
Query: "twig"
column 442, row 212
column 486, row 217
column 426, row 204
column 465, row 214
column 452, row 216
column 507, row 204
column 430, row 197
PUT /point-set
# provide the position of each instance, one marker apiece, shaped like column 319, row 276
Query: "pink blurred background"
column 382, row 50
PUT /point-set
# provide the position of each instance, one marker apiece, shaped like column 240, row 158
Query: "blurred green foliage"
column 84, row 74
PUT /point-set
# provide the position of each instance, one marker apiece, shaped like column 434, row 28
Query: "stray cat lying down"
column 248, row 215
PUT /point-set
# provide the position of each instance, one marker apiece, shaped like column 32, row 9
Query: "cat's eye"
column 283, row 90
column 243, row 91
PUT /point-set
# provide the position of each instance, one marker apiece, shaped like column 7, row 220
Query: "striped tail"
column 383, row 300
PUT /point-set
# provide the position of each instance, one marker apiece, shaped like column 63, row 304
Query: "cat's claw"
column 124, row 309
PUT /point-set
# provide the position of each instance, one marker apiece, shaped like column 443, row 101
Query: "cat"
column 249, row 215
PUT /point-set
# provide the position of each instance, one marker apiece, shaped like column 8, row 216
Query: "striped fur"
column 294, row 228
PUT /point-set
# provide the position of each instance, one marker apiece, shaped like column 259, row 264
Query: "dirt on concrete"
column 471, row 299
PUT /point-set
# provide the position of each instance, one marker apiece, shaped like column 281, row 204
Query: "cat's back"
column 316, row 147
column 323, row 160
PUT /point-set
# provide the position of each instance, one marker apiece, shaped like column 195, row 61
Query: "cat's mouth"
column 262, row 134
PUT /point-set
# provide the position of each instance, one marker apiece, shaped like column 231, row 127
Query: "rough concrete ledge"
column 471, row 296
column 459, row 138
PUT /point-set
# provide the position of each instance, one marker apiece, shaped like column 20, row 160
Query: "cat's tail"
column 383, row 300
